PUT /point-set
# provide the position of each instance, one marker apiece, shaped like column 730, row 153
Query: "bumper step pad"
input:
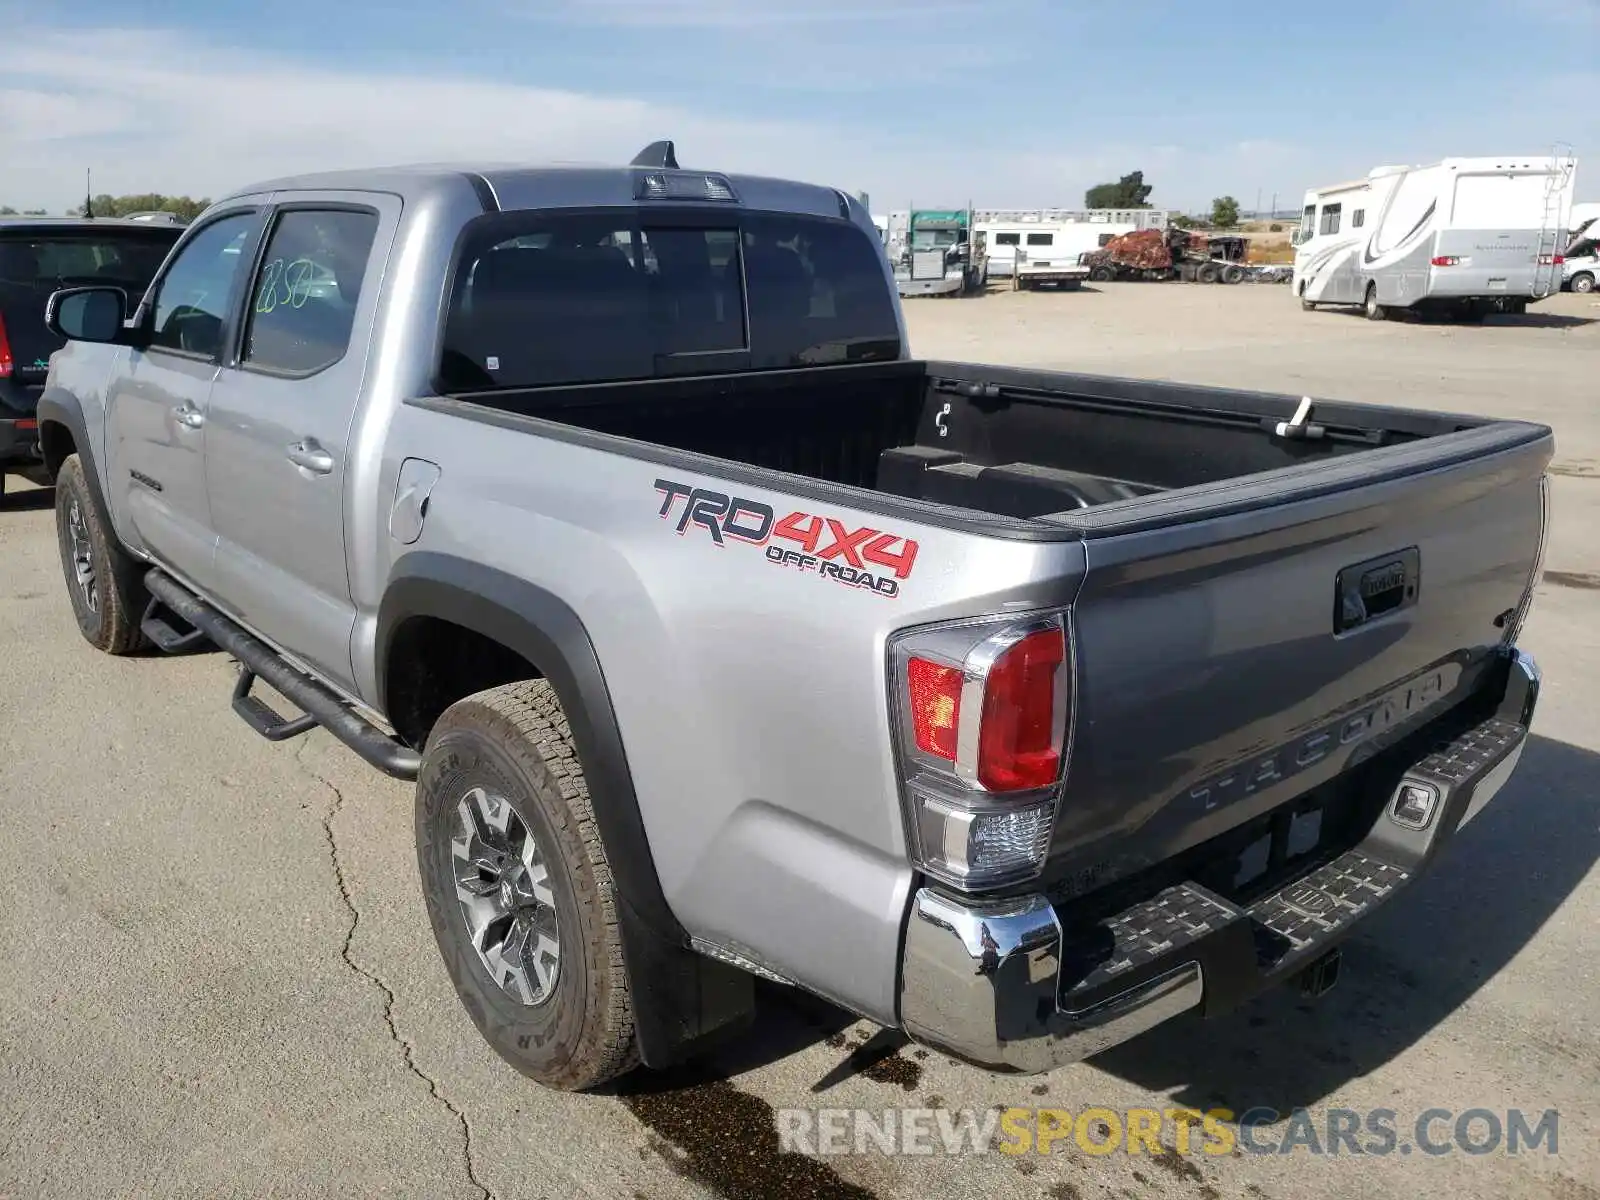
column 1294, row 923
column 1157, row 929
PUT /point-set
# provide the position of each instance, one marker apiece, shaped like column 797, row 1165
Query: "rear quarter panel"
column 750, row 695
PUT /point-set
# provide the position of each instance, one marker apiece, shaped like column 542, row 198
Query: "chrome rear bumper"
column 983, row 981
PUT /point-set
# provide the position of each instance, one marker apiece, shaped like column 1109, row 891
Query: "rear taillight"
column 981, row 711
column 1552, row 260
column 7, row 365
column 1447, row 260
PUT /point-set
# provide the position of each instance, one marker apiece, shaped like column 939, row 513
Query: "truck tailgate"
column 1239, row 644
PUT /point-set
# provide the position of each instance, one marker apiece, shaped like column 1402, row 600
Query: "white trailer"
column 1055, row 235
column 1464, row 235
column 1035, row 254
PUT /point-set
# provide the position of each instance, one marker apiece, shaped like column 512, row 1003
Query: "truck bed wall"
column 998, row 440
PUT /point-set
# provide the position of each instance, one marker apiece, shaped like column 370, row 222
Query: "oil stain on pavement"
column 727, row 1140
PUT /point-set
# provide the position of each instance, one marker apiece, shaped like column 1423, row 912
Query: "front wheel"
column 1583, row 283
column 104, row 581
column 519, row 890
column 1371, row 308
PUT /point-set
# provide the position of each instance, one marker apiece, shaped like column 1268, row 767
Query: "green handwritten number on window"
column 285, row 283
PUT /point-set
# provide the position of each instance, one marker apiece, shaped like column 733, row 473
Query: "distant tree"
column 122, row 206
column 35, row 212
column 7, row 211
column 1224, row 212
column 1184, row 221
column 1131, row 191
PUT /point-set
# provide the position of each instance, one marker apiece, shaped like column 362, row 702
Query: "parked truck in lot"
column 38, row 255
column 723, row 637
column 941, row 255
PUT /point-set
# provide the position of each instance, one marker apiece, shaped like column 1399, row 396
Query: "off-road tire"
column 112, row 622
column 515, row 740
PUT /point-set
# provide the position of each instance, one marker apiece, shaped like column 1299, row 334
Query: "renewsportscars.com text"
column 1214, row 1132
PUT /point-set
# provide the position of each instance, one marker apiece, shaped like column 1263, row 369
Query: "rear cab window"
column 542, row 299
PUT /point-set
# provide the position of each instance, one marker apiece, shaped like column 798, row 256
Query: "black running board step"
column 319, row 703
column 157, row 624
column 261, row 716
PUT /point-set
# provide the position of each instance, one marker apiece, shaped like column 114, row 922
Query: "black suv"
column 37, row 256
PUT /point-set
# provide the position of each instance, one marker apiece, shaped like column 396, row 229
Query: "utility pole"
column 88, row 192
column 1258, row 202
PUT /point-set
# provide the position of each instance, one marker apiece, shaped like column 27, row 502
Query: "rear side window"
column 1008, row 239
column 541, row 300
column 303, row 303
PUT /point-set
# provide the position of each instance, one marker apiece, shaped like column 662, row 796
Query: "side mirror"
column 87, row 314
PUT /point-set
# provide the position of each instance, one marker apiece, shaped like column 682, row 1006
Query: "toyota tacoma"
column 723, row 637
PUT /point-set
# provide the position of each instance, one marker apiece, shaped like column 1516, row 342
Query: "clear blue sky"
column 1016, row 103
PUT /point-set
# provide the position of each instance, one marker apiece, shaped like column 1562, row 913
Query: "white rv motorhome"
column 1465, row 236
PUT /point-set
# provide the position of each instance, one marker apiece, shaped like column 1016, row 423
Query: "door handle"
column 189, row 418
column 308, row 453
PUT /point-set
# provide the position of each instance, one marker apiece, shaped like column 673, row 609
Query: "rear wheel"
column 519, row 890
column 104, row 582
column 1232, row 273
column 1583, row 283
column 1207, row 273
column 1371, row 308
column 1102, row 274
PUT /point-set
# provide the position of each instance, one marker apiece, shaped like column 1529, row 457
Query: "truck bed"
column 1214, row 641
column 1041, row 448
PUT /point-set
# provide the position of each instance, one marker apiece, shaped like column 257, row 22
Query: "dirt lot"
column 217, row 979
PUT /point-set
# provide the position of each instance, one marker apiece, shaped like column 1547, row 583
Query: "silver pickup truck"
column 724, row 638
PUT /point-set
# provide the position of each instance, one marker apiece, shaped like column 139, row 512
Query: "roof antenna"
column 88, row 193
column 661, row 155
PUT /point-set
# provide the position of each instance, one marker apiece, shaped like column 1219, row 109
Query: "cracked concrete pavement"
column 217, row 976
column 406, row 1048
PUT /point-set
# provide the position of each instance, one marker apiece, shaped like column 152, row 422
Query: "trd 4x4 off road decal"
column 859, row 558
